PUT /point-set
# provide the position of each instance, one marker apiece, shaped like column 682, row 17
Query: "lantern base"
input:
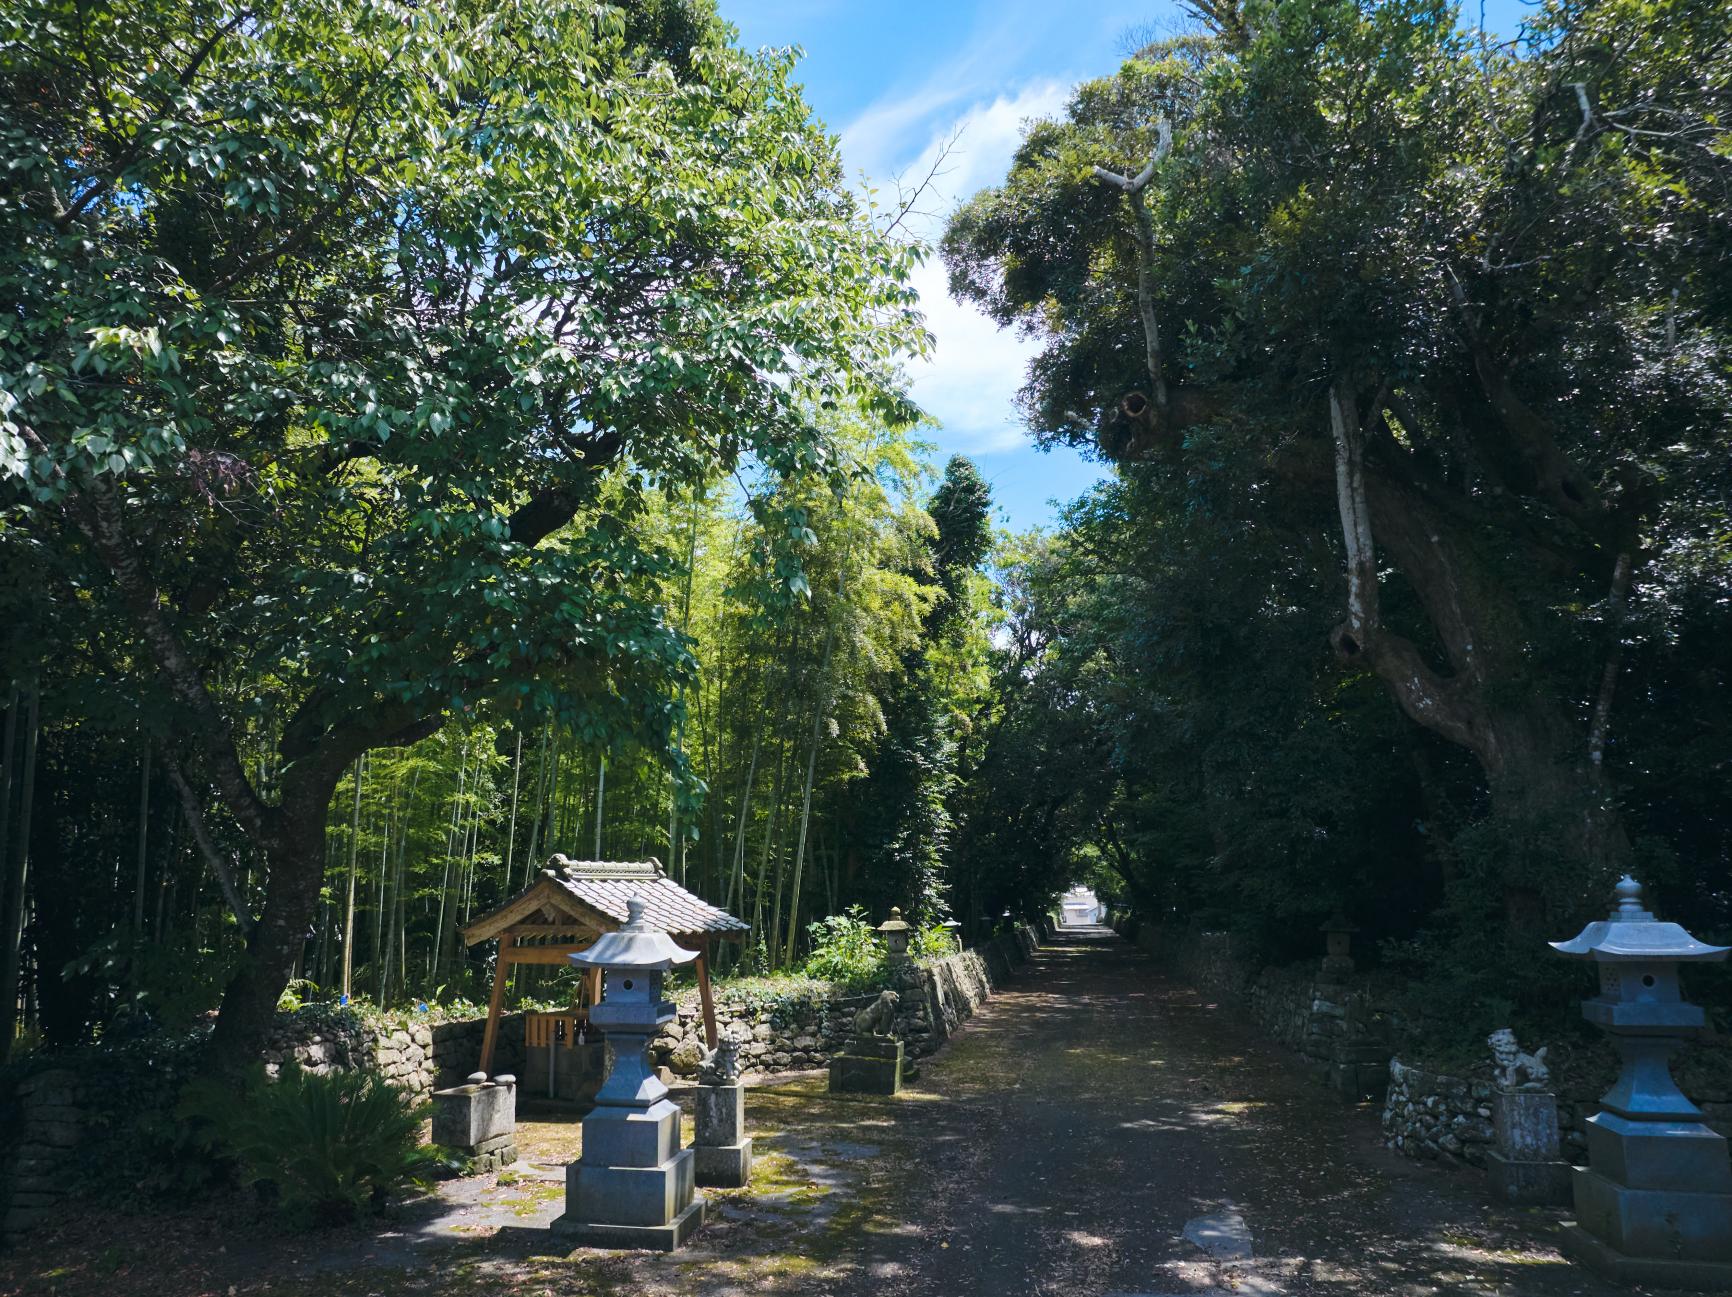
column 1687, row 1276
column 1675, row 1224
column 1533, row 1183
column 723, row 1166
column 869, row 1065
column 641, row 1238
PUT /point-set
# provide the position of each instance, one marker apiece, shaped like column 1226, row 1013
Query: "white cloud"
column 969, row 384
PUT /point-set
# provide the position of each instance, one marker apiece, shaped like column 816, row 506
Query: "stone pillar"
column 1525, row 1166
column 721, row 1149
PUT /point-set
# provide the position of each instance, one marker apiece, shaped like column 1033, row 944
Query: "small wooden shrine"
column 573, row 903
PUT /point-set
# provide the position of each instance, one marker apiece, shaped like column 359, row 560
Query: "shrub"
column 326, row 1146
column 933, row 941
column 845, row 950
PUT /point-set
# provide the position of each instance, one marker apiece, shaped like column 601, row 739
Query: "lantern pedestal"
column 1525, row 1167
column 869, row 1065
column 720, row 1145
column 634, row 1187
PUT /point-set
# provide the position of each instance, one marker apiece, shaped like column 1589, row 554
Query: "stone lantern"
column 895, row 933
column 634, row 1186
column 1654, row 1203
column 1338, row 933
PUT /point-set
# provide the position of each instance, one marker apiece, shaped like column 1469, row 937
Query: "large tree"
column 347, row 336
column 1463, row 307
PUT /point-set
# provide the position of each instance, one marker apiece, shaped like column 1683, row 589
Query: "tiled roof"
column 607, row 886
column 594, row 893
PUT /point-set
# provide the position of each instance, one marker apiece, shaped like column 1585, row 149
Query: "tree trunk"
column 294, row 853
column 354, row 857
column 1544, row 786
column 13, row 884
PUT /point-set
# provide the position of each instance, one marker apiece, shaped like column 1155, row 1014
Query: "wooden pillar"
column 490, row 1035
column 594, row 977
column 709, row 1000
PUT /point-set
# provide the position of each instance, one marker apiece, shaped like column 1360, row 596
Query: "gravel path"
column 1098, row 1113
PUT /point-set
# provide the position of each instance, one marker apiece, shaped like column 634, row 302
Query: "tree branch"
column 1132, row 187
column 95, row 512
column 220, row 865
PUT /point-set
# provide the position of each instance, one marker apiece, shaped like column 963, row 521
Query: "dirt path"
column 1095, row 1108
column 1063, row 1145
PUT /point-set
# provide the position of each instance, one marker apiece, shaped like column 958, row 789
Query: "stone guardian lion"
column 879, row 1017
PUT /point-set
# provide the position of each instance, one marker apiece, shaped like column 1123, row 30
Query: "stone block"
column 1670, row 1223
column 1526, row 1125
column 630, row 1195
column 630, row 1137
column 875, row 1072
column 725, row 1166
column 1682, row 1155
column 647, row 1238
column 1530, row 1182
column 467, row 1116
column 1659, row 1272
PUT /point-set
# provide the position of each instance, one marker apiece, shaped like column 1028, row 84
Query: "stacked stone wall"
column 802, row 1030
column 420, row 1057
column 1433, row 1116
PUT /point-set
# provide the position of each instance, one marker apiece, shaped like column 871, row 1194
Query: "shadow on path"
column 1096, row 1108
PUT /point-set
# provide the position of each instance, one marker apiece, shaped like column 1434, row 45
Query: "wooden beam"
column 546, row 954
column 594, row 980
column 490, row 1034
column 704, row 994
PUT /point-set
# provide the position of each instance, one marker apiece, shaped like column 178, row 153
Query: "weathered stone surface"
column 467, row 1117
column 723, row 1166
column 718, row 1115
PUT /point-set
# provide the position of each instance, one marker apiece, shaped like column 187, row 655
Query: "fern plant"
column 327, row 1146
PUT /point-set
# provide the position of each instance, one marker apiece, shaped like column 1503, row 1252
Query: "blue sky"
column 895, row 79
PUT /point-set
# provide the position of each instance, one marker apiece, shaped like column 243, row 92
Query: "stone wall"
column 419, row 1056
column 801, row 1030
column 1434, row 1116
column 1333, row 1017
column 49, row 1124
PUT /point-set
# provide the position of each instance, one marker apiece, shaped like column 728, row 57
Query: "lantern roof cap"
column 1338, row 922
column 895, row 922
column 1633, row 934
column 636, row 945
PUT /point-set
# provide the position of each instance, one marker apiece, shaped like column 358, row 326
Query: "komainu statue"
column 1512, row 1069
column 879, row 1017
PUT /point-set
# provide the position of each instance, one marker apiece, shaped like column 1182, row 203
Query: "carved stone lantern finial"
column 1654, row 1203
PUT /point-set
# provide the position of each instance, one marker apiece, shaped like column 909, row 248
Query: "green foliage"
column 845, row 950
column 354, row 344
column 326, row 1147
column 933, row 941
column 171, row 983
column 1520, row 250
